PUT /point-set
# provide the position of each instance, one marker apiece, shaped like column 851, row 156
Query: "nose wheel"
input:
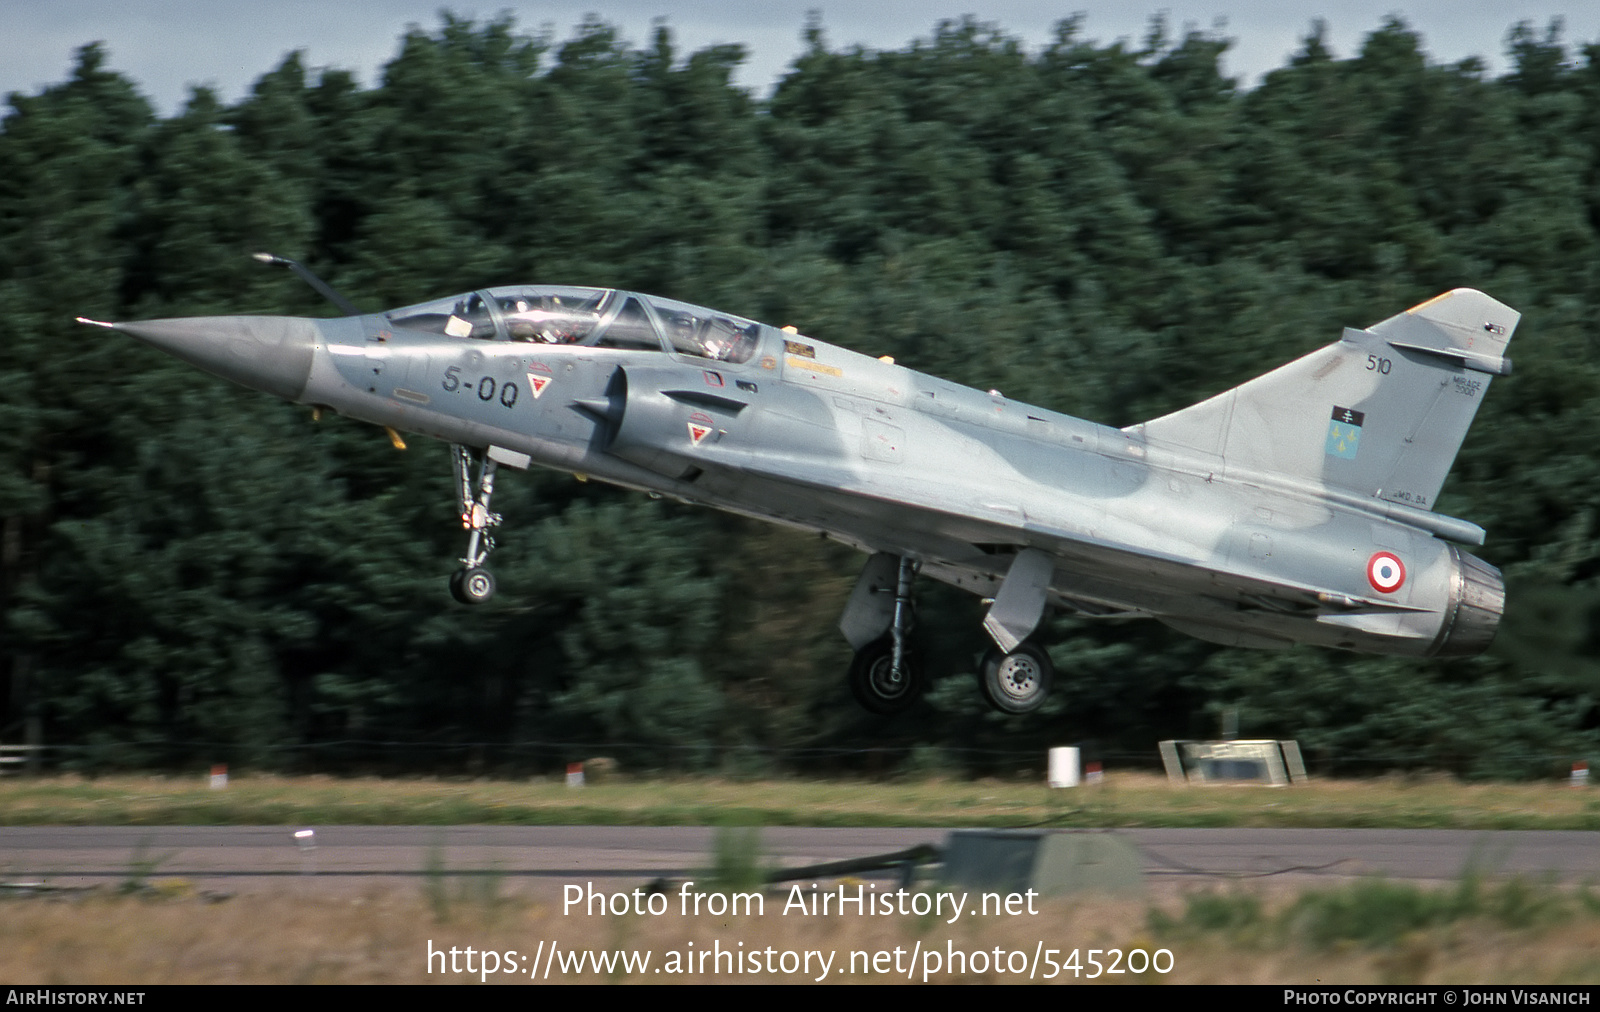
column 473, row 584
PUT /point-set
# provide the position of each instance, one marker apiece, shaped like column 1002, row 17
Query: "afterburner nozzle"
column 268, row 353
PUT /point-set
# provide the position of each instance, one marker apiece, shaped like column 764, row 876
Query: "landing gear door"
column 870, row 610
column 1019, row 604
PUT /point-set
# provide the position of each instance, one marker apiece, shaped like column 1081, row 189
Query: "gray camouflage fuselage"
column 1251, row 519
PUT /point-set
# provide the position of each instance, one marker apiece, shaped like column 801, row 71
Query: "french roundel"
column 1386, row 572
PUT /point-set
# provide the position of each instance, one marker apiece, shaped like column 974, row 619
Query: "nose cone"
column 268, row 353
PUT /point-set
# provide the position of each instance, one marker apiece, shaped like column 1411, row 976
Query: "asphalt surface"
column 544, row 858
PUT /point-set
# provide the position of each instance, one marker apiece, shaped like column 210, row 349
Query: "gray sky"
column 168, row 45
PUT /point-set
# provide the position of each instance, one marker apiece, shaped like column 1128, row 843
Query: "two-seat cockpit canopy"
column 594, row 317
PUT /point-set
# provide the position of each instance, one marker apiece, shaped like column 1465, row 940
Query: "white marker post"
column 1064, row 766
column 306, row 841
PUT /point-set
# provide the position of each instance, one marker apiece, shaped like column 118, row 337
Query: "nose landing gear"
column 473, row 584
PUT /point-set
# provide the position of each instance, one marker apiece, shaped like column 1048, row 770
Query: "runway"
column 542, row 858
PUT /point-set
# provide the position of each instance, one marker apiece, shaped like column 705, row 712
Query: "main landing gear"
column 473, row 584
column 886, row 675
column 1016, row 682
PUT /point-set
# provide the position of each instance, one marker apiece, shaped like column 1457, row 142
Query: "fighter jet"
column 1296, row 508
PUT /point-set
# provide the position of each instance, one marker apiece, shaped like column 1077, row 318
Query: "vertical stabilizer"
column 1381, row 413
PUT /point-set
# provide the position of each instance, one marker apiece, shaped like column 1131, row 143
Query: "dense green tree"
column 67, row 159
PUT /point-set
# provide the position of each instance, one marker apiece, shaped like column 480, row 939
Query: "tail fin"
column 1380, row 413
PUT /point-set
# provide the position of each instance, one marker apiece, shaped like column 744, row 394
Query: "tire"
column 1017, row 682
column 872, row 679
column 472, row 586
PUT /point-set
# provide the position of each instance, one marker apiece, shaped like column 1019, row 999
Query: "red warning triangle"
column 538, row 383
column 698, row 432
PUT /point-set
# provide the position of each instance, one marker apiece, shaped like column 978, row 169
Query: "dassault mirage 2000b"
column 1296, row 508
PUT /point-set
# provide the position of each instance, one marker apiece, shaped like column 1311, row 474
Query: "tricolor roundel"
column 1386, row 572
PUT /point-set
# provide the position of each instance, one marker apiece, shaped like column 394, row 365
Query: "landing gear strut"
column 886, row 675
column 473, row 584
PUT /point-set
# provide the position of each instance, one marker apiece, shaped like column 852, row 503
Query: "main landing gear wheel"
column 875, row 683
column 472, row 586
column 1017, row 682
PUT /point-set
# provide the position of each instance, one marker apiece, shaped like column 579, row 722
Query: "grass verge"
column 1366, row 933
column 1122, row 800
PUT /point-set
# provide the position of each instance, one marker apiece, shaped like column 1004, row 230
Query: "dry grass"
column 383, row 937
column 1125, row 799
